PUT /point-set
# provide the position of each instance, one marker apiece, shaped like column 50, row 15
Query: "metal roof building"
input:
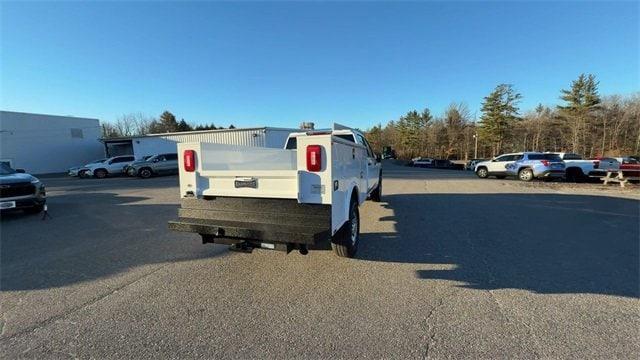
column 43, row 144
column 165, row 143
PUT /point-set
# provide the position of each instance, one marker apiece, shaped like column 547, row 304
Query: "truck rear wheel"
column 574, row 175
column 345, row 242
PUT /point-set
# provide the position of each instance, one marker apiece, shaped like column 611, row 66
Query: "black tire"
column 574, row 175
column 482, row 172
column 343, row 243
column 35, row 209
column 525, row 174
column 145, row 173
column 376, row 194
column 100, row 173
column 500, row 177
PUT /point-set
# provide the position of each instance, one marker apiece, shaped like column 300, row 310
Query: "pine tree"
column 183, row 126
column 581, row 102
column 374, row 136
column 412, row 131
column 499, row 112
column 166, row 123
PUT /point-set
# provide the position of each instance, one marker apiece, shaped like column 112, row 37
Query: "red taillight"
column 314, row 157
column 189, row 160
column 545, row 162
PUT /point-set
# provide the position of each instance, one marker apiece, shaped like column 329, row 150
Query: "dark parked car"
column 20, row 191
column 446, row 164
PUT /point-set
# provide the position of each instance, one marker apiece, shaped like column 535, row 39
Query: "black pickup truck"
column 20, row 191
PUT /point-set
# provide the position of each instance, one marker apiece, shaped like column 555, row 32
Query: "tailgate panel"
column 268, row 184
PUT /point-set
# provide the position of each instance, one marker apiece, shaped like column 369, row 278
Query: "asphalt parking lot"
column 449, row 266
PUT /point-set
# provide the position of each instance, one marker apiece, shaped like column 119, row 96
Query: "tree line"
column 584, row 123
column 136, row 124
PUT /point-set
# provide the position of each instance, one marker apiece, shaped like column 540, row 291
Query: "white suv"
column 111, row 166
column 497, row 166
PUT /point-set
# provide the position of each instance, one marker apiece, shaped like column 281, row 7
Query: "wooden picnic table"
column 619, row 176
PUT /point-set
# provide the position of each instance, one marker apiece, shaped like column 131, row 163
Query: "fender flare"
column 353, row 190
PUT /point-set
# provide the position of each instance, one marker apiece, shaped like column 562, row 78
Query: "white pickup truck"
column 578, row 169
column 294, row 198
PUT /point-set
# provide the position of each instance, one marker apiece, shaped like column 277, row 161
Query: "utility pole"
column 475, row 152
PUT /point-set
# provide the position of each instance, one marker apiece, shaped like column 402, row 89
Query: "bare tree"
column 133, row 124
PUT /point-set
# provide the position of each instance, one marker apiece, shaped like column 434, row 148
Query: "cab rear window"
column 346, row 137
column 572, row 157
column 292, row 143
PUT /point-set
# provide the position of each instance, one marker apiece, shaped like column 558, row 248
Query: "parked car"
column 388, row 153
column 577, row 168
column 446, row 164
column 525, row 166
column 421, row 162
column 497, row 166
column 19, row 190
column 111, row 167
column 75, row 171
column 630, row 167
column 471, row 164
column 161, row 164
column 125, row 169
column 294, row 198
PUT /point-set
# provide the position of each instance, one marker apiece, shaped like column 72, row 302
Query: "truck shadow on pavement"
column 90, row 236
column 544, row 243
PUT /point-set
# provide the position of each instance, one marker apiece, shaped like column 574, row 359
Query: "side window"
column 517, row 157
column 502, row 158
column 161, row 158
column 171, row 157
column 123, row 159
column 369, row 149
column 363, row 141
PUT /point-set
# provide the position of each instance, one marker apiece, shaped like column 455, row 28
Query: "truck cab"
column 291, row 198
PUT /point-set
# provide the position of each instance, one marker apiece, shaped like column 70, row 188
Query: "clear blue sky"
column 278, row 64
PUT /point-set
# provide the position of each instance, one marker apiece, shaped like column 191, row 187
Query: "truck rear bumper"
column 228, row 220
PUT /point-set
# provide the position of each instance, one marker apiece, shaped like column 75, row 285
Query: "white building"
column 48, row 143
column 151, row 144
